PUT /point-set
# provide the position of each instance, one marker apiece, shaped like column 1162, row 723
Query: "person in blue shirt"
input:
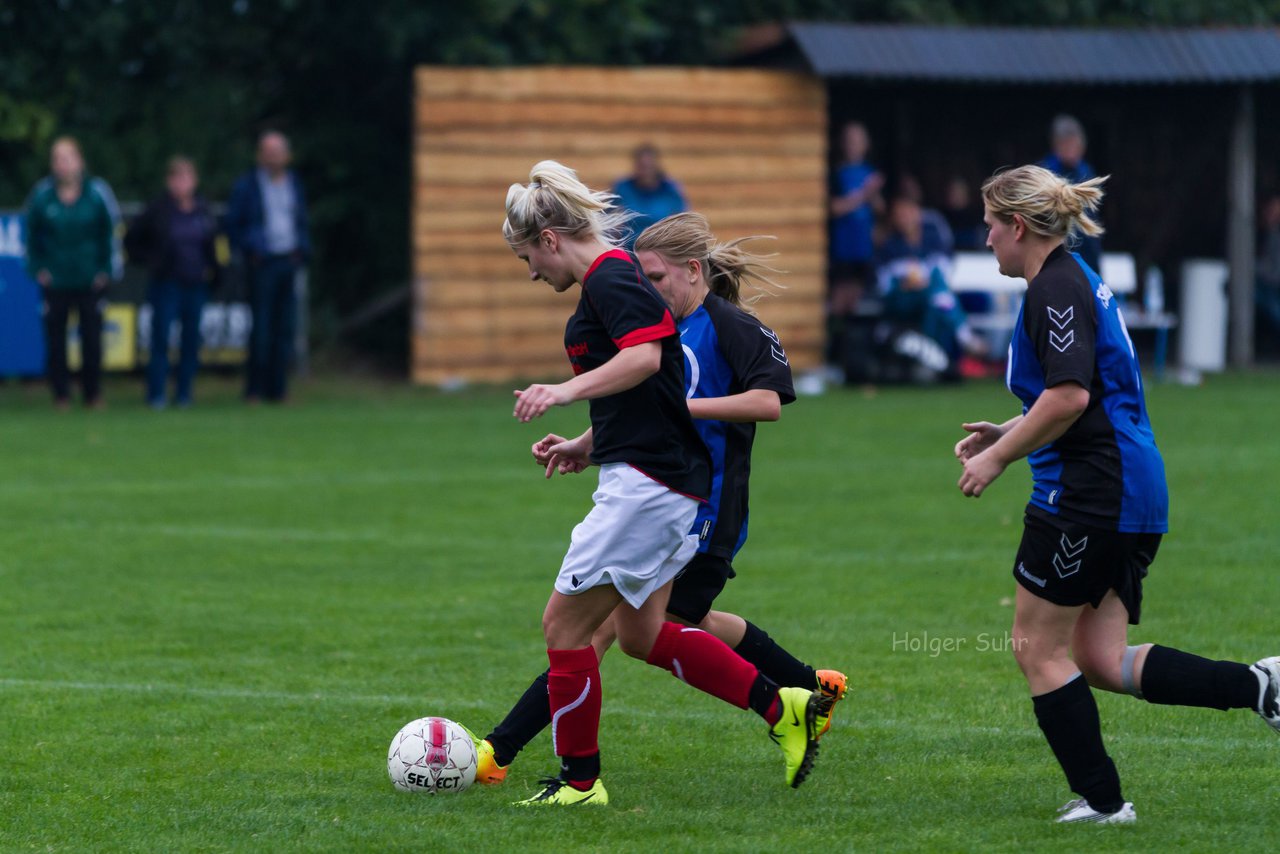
column 856, row 201
column 1066, row 159
column 1099, row 505
column 647, row 192
column 267, row 224
column 736, row 374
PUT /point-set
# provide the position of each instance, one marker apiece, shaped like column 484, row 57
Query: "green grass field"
column 212, row 622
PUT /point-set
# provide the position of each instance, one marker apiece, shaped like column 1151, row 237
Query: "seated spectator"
column 1267, row 291
column 909, row 233
column 647, row 192
column 912, row 267
column 933, row 221
column 175, row 238
column 963, row 213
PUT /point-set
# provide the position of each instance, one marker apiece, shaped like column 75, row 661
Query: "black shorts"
column 698, row 585
column 1072, row 564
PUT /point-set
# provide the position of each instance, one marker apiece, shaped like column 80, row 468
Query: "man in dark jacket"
column 267, row 224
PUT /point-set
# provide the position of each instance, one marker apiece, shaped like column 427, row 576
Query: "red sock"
column 705, row 662
column 573, row 687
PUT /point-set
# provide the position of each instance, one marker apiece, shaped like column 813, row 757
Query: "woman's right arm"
column 627, row 369
column 982, row 435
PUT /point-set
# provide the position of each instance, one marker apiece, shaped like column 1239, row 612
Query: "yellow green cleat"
column 558, row 793
column 796, row 731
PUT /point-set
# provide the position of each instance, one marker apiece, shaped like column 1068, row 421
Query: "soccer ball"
column 432, row 755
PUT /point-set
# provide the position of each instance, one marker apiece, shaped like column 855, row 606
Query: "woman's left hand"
column 537, row 399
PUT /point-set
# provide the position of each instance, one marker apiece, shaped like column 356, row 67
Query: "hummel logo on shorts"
column 1022, row 570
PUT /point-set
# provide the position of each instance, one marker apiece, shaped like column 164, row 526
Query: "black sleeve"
column 629, row 307
column 1061, row 324
column 754, row 352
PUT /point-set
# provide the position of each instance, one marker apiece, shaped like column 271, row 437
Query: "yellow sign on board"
column 119, row 334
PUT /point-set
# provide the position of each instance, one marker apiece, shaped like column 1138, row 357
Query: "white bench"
column 978, row 272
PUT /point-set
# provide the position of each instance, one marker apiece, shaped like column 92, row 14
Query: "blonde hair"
column 556, row 199
column 727, row 266
column 1051, row 206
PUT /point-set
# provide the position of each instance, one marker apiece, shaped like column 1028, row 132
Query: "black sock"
column 773, row 661
column 764, row 691
column 529, row 716
column 1068, row 717
column 580, row 771
column 1171, row 677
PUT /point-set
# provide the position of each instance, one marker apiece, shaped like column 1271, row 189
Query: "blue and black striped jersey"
column 1106, row 470
column 728, row 351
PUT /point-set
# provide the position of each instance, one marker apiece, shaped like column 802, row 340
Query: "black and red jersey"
column 648, row 426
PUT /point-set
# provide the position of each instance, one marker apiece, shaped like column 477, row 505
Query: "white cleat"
column 1268, row 672
column 1079, row 811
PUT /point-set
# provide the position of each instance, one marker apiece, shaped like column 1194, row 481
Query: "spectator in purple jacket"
column 176, row 238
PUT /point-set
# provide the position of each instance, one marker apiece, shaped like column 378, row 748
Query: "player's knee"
column 1101, row 670
column 635, row 646
column 1021, row 648
column 1034, row 655
column 1021, row 655
column 561, row 633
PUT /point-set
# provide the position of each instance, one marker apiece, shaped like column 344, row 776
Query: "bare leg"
column 569, row 621
column 1099, row 644
column 1042, row 633
column 1064, row 705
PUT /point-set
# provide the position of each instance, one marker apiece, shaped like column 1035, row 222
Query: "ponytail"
column 556, row 199
column 728, row 267
column 1050, row 205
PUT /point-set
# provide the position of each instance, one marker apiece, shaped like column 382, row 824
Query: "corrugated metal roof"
column 1037, row 55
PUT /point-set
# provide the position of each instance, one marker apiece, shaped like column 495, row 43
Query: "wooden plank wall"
column 748, row 146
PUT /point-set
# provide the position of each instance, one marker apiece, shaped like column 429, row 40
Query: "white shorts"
column 636, row 537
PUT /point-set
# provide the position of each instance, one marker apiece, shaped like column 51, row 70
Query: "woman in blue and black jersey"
column 736, row 374
column 1099, row 506
column 627, row 362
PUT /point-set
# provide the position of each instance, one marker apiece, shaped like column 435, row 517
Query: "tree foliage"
column 137, row 80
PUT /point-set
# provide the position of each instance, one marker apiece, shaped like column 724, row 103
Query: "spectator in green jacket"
column 72, row 251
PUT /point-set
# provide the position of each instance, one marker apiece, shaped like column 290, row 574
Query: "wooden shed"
column 748, row 146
